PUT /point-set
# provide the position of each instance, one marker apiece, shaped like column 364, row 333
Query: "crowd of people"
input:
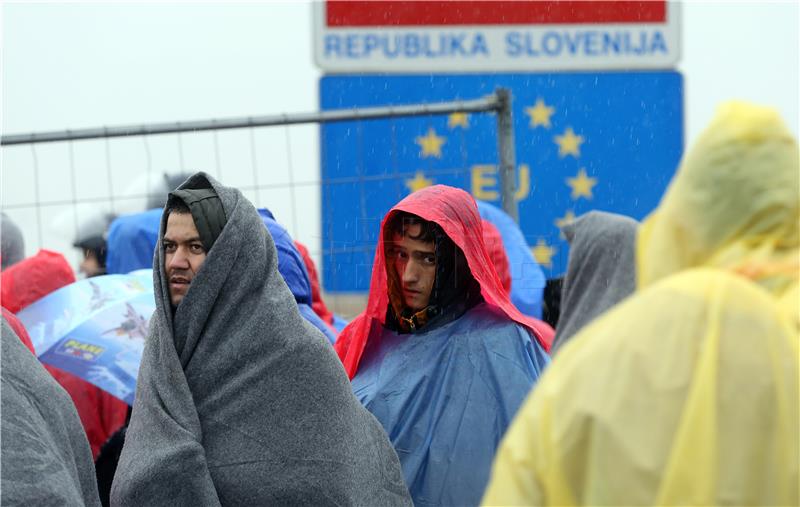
column 669, row 378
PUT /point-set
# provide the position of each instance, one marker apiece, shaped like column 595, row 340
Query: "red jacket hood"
column 497, row 252
column 455, row 211
column 317, row 304
column 33, row 278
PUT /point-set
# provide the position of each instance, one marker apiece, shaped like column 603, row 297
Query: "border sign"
column 524, row 35
column 609, row 141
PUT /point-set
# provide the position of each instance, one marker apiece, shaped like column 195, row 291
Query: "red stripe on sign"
column 341, row 13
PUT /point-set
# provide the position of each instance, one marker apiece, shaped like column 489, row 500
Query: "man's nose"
column 179, row 259
column 411, row 272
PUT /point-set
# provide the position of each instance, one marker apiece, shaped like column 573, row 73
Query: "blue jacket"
column 438, row 396
column 527, row 278
column 132, row 241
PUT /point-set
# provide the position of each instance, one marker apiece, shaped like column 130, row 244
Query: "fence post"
column 505, row 148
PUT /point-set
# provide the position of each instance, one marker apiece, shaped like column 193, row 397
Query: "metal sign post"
column 505, row 148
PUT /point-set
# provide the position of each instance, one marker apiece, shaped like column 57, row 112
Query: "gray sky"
column 69, row 65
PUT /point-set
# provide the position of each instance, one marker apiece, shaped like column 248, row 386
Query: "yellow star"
column 543, row 253
column 431, row 144
column 418, row 182
column 569, row 144
column 540, row 114
column 458, row 120
column 568, row 217
column 581, row 185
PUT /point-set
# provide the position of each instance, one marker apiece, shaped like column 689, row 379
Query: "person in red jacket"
column 33, row 278
column 30, row 280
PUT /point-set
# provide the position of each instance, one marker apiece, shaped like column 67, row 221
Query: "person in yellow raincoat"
column 790, row 302
column 687, row 391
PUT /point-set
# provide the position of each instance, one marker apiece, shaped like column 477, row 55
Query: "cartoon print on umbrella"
column 134, row 325
column 95, row 329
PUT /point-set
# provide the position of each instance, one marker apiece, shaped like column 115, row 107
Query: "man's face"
column 415, row 262
column 183, row 254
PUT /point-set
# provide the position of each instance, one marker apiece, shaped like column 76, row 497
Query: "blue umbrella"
column 95, row 329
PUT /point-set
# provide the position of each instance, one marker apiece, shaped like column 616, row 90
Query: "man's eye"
column 430, row 260
column 169, row 248
column 196, row 248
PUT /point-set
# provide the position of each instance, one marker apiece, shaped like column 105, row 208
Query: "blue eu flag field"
column 608, row 141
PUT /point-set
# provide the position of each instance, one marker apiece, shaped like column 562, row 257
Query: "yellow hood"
column 687, row 392
column 733, row 204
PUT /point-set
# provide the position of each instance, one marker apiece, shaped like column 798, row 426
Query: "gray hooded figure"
column 239, row 400
column 46, row 459
column 601, row 270
column 12, row 243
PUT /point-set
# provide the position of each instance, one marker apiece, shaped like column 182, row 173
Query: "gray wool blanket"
column 240, row 401
column 46, row 459
column 601, row 270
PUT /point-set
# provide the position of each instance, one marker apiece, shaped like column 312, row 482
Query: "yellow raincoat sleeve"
column 684, row 394
column 790, row 304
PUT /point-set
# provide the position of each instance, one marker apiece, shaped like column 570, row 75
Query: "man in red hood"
column 441, row 356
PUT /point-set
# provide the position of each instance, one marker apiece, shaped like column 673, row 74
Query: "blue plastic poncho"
column 474, row 372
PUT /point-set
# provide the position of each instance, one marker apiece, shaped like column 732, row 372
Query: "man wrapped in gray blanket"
column 240, row 401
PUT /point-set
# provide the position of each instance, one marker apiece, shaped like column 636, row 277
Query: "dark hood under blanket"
column 239, row 400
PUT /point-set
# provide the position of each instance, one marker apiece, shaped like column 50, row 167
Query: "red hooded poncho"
column 497, row 252
column 30, row 280
column 317, row 304
column 456, row 213
column 33, row 278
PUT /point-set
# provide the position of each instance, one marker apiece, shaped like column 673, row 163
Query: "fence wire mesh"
column 54, row 183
